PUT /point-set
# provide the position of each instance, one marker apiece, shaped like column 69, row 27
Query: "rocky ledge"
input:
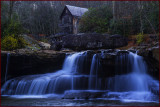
column 83, row 94
column 151, row 56
column 90, row 41
column 27, row 62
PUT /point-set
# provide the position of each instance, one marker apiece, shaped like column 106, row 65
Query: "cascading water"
column 135, row 84
column 46, row 83
column 93, row 73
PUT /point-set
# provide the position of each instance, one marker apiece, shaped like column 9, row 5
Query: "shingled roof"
column 76, row 11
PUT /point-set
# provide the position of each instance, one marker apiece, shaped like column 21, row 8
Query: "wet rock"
column 143, row 52
column 155, row 91
column 108, row 55
column 23, row 62
column 90, row 52
column 78, row 94
column 122, row 52
column 151, row 56
column 132, row 50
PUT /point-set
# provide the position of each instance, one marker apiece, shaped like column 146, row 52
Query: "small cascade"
column 137, row 80
column 70, row 63
column 93, row 73
column 137, row 85
column 8, row 56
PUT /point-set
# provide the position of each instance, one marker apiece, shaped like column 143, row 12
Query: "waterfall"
column 70, row 62
column 8, row 56
column 137, row 85
column 45, row 83
column 130, row 81
column 137, row 80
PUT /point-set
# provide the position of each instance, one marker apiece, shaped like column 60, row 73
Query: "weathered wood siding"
column 66, row 22
column 75, row 25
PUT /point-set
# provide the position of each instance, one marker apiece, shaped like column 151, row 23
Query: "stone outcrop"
column 83, row 94
column 89, row 41
column 151, row 56
column 25, row 62
column 93, row 41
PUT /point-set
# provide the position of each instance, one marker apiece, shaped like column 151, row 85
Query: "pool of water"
column 56, row 101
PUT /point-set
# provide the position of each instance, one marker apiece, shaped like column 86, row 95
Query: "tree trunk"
column 11, row 4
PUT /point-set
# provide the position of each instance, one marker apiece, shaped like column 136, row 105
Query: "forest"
column 43, row 17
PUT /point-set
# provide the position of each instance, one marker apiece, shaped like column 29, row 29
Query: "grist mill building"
column 69, row 19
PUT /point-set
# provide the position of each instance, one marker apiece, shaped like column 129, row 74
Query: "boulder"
column 44, row 45
column 83, row 94
column 90, row 41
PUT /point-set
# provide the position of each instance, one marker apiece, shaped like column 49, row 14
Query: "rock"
column 149, row 52
column 66, row 50
column 116, row 36
column 132, row 50
column 44, row 45
column 83, row 94
column 90, row 52
column 108, row 56
column 155, row 90
column 122, row 52
column 154, row 37
column 155, row 53
column 56, row 46
column 33, row 44
column 151, row 56
column 93, row 41
column 23, row 62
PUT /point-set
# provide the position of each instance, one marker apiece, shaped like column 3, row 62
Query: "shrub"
column 21, row 42
column 9, row 43
column 140, row 38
